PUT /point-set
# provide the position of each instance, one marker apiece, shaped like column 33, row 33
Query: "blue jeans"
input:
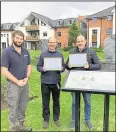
column 87, row 107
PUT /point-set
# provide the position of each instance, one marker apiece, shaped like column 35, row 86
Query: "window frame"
column 44, row 34
column 59, row 34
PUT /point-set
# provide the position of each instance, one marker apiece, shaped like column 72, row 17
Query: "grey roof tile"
column 8, row 26
column 54, row 23
column 103, row 13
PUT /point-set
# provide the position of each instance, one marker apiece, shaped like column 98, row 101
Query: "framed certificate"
column 77, row 60
column 53, row 63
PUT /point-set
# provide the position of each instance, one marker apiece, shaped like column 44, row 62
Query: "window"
column 58, row 34
column 38, row 21
column 94, row 44
column 70, row 21
column 22, row 24
column 38, row 33
column 34, row 34
column 83, row 25
column 25, row 45
column 42, row 23
column 95, row 19
column 33, row 22
column 58, row 22
column 7, row 26
column 44, row 34
column 109, row 31
column 109, row 17
column 59, row 44
column 3, row 45
column 94, row 32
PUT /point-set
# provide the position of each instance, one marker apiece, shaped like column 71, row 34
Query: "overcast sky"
column 17, row 11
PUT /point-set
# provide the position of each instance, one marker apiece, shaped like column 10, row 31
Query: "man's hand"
column 25, row 80
column 61, row 69
column 87, row 65
column 20, row 83
column 44, row 69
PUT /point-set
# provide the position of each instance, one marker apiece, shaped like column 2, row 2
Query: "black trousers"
column 46, row 89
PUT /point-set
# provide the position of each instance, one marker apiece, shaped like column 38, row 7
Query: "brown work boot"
column 57, row 123
column 22, row 127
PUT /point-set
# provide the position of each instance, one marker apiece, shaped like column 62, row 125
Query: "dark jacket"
column 92, row 58
column 50, row 77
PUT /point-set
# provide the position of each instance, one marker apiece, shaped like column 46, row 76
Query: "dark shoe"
column 89, row 125
column 22, row 127
column 57, row 123
column 45, row 124
column 72, row 125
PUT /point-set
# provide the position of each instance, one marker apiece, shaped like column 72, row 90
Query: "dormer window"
column 109, row 17
column 95, row 19
column 7, row 26
column 59, row 23
column 42, row 23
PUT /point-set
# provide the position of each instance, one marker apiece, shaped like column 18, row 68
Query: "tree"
column 73, row 33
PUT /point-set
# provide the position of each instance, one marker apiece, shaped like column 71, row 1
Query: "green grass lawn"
column 34, row 109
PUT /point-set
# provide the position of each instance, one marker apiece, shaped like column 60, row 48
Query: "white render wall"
column 46, row 28
column 114, row 21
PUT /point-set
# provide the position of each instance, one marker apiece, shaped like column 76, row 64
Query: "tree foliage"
column 73, row 33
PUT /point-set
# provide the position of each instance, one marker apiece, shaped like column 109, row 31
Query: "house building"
column 6, row 34
column 99, row 26
column 37, row 27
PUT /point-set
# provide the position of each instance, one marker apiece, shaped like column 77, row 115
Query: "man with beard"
column 16, row 67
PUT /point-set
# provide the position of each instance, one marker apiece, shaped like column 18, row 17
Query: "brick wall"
column 104, row 24
column 63, row 39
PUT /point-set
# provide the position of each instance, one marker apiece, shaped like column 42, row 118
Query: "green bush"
column 67, row 48
column 59, row 48
column 97, row 49
column 34, row 60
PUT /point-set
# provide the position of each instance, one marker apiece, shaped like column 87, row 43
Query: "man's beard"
column 16, row 44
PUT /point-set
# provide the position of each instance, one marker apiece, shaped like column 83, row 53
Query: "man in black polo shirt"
column 16, row 68
column 50, row 82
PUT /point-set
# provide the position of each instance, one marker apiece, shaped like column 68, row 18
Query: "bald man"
column 50, row 83
column 93, row 63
